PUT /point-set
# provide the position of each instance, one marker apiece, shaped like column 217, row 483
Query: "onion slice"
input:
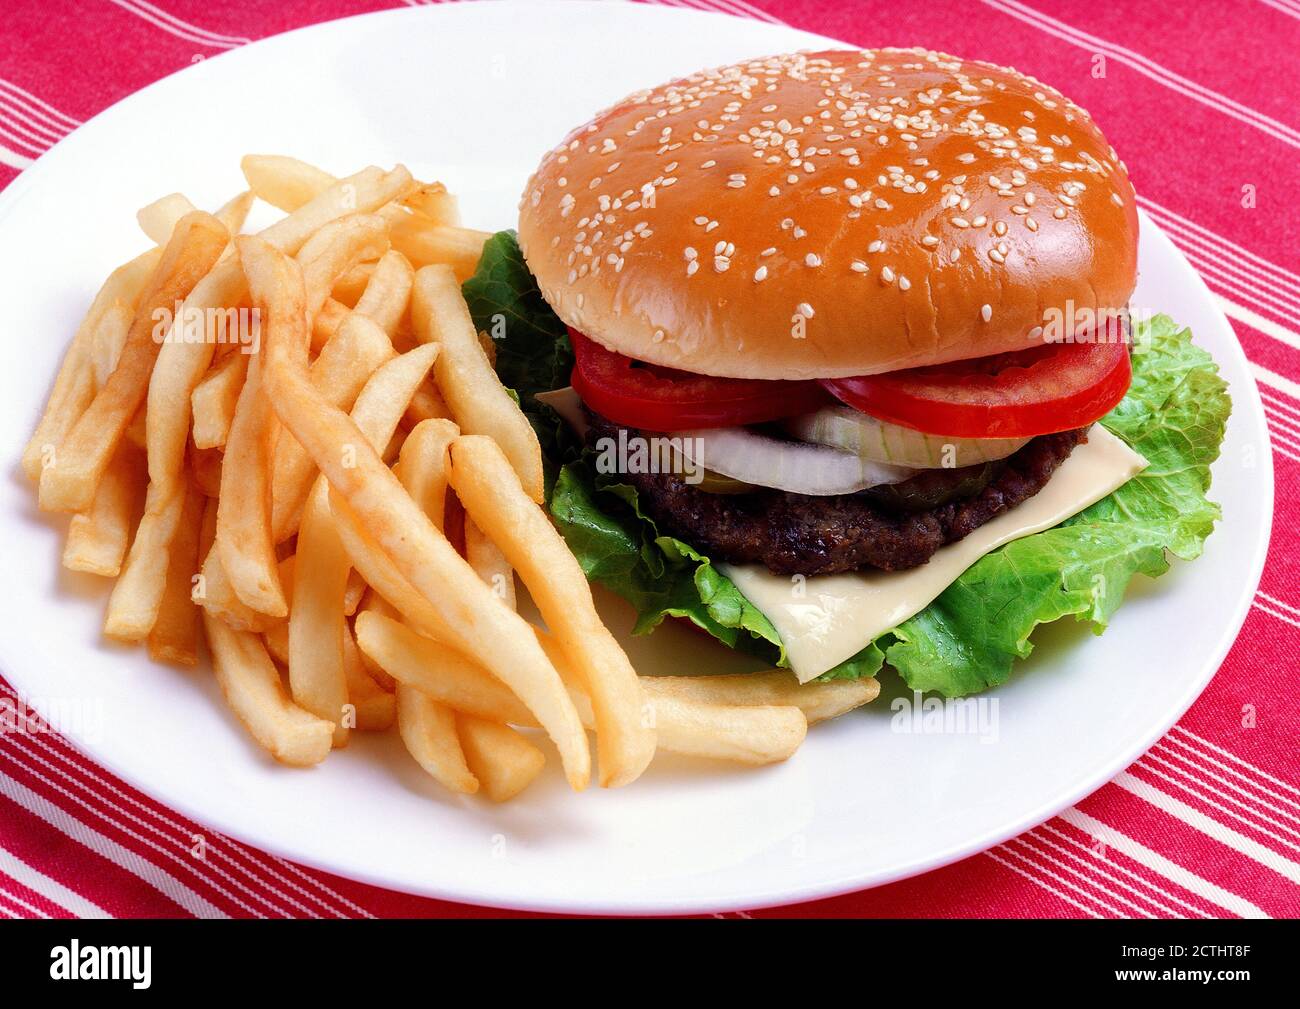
column 791, row 466
column 850, row 430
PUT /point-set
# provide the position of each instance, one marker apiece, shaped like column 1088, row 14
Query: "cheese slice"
column 826, row 619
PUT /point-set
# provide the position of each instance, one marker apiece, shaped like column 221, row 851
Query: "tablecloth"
column 1200, row 100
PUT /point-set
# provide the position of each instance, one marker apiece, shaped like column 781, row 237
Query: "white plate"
column 473, row 95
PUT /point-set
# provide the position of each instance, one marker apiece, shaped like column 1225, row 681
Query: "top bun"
column 820, row 215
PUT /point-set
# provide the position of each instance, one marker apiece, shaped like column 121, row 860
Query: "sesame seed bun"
column 819, row 215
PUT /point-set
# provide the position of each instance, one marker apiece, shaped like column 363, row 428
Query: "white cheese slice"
column 826, row 619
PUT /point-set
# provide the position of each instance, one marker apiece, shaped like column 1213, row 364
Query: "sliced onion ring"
column 791, row 466
column 850, row 430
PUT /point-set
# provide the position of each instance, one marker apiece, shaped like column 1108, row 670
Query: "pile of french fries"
column 339, row 505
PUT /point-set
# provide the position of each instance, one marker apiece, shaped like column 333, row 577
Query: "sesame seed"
column 760, row 274
column 805, row 309
column 858, row 266
column 887, row 275
column 904, row 284
column 930, row 241
column 812, row 259
column 689, row 252
column 986, row 312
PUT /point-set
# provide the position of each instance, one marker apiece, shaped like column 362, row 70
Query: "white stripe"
column 1035, row 867
column 1225, row 835
column 36, row 128
column 186, row 863
column 1278, row 602
column 1279, row 405
column 188, row 36
column 1174, row 739
column 1281, row 443
column 1149, row 68
column 1278, row 382
column 1279, row 276
column 234, row 40
column 1256, row 321
column 1221, row 808
column 109, row 849
column 1239, row 282
column 21, row 136
column 361, row 911
column 91, row 772
column 1276, row 614
column 1233, row 757
column 13, row 160
column 1102, row 863
column 1092, row 879
column 1181, row 778
column 51, row 889
column 1278, row 5
column 1156, row 862
column 22, row 147
column 1237, row 275
column 13, row 898
column 1249, row 789
column 1280, row 420
column 1042, row 883
column 38, row 107
column 200, row 867
column 737, row 8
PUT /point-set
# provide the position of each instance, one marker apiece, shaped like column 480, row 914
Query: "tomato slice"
column 1047, row 388
column 663, row 399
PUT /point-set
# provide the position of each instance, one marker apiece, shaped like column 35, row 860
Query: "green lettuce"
column 970, row 636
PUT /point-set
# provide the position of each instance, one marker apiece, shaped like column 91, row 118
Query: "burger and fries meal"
column 829, row 354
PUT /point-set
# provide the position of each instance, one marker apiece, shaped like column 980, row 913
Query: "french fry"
column 496, row 636
column 334, row 250
column 317, row 623
column 215, row 593
column 108, row 340
column 98, row 538
column 234, row 212
column 182, row 364
column 175, row 634
column 251, row 685
column 75, row 386
column 338, row 374
column 388, row 292
column 157, row 219
column 486, row 558
column 428, row 731
column 426, row 404
column 753, row 734
column 69, row 484
column 244, row 541
column 352, row 285
column 205, row 468
column 493, row 498
column 459, row 249
column 214, row 399
column 479, row 402
column 422, row 468
column 818, row 701
column 433, row 202
column 422, row 465
column 375, row 707
column 502, row 760
column 327, row 322
column 285, row 183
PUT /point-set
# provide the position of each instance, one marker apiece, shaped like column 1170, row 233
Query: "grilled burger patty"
column 803, row 534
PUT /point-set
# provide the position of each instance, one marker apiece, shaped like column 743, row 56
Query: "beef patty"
column 810, row 535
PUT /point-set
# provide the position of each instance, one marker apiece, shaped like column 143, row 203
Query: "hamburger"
column 832, row 355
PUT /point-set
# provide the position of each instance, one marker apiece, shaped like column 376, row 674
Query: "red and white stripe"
column 173, row 25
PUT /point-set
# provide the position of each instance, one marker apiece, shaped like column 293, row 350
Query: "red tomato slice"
column 664, row 399
column 1052, row 387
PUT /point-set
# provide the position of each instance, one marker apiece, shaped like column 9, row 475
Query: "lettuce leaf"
column 969, row 638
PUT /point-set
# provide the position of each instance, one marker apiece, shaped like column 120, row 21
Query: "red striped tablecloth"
column 1200, row 99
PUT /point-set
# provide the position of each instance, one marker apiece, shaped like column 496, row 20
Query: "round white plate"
column 473, row 95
